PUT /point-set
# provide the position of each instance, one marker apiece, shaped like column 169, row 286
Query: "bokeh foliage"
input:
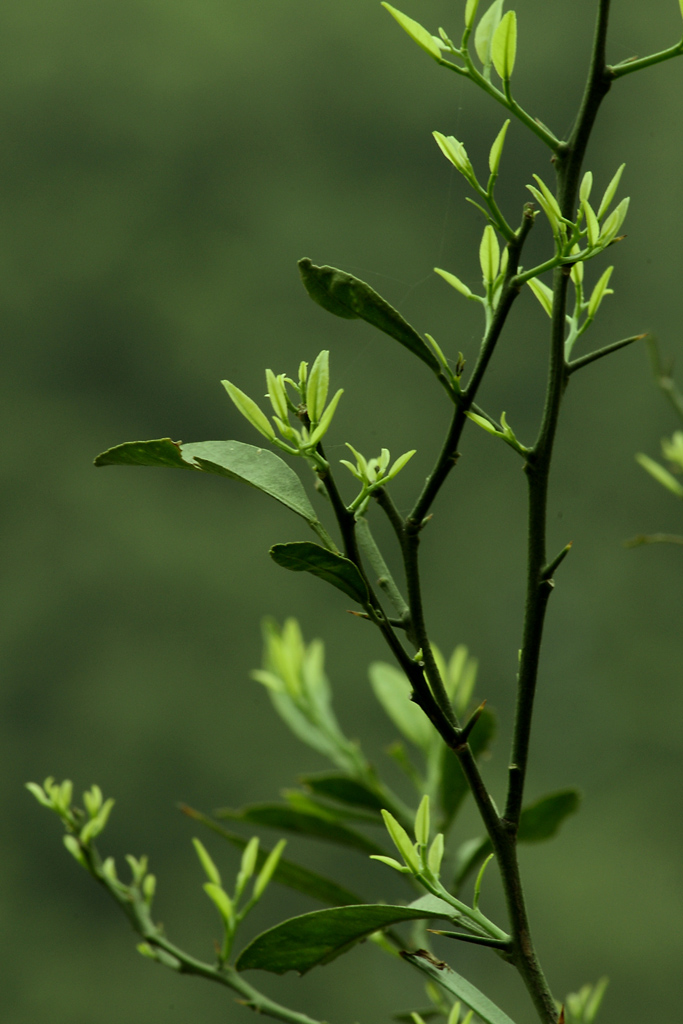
column 163, row 167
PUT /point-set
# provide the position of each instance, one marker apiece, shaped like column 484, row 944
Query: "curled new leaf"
column 347, row 296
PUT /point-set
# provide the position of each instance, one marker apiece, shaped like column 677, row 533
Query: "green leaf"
column 315, row 826
column 319, row 937
column 539, row 821
column 287, row 872
column 250, row 410
column 453, row 786
column 343, row 789
column 504, row 46
column 257, row 467
column 163, row 452
column 458, row 986
column 497, row 148
column 662, row 475
column 392, row 689
column 485, row 29
column 304, row 556
column 417, row 33
column 349, row 297
column 542, row 819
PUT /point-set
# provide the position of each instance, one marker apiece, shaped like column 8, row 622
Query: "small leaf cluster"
column 311, row 409
column 582, row 1007
column 228, row 907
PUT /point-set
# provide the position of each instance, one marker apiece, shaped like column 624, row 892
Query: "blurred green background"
column 163, row 167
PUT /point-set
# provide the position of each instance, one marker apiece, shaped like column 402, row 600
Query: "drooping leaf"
column 347, row 296
column 257, row 467
column 304, row 556
column 287, row 872
column 343, row 789
column 319, row 937
column 163, row 452
column 542, row 819
column 453, row 786
column 539, row 821
column 313, row 825
column 447, row 978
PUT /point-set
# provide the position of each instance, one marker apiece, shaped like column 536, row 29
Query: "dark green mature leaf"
column 163, row 452
column 304, row 556
column 458, row 986
column 542, row 819
column 317, row 938
column 257, row 467
column 310, row 883
column 347, row 296
column 343, row 789
column 453, row 786
column 538, row 822
column 316, row 826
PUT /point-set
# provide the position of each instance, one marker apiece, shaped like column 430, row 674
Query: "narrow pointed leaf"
column 287, row 872
column 344, row 790
column 416, row 32
column 319, row 937
column 315, row 826
column 497, row 148
column 304, row 556
column 661, row 474
column 454, row 282
column 610, row 191
column 458, row 986
column 349, row 297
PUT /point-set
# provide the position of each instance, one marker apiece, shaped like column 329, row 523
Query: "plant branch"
column 627, row 67
column 591, row 357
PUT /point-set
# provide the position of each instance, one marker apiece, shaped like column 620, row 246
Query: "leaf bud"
column 497, row 147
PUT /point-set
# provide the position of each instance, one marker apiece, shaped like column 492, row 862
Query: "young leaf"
column 250, row 410
column 610, row 191
column 485, row 30
column 458, row 986
column 416, row 32
column 598, row 293
column 304, row 556
column 317, row 386
column 269, row 868
column 319, row 937
column 401, row 841
column 315, row 826
column 454, row 282
column 295, row 877
column 422, row 822
column 543, row 293
column 348, row 296
column 497, row 147
column 504, row 46
column 660, row 474
column 489, row 255
column 210, row 869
